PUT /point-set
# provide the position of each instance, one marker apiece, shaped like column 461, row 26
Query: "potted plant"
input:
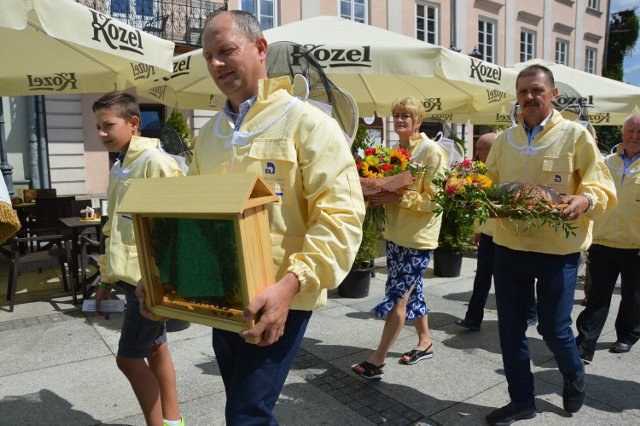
column 456, row 230
column 455, row 238
column 356, row 284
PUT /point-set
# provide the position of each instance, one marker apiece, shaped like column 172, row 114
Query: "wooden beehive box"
column 204, row 245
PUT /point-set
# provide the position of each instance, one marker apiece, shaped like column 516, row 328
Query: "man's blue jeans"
column 254, row 375
column 514, row 272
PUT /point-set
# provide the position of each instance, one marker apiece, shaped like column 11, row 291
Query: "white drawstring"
column 533, row 150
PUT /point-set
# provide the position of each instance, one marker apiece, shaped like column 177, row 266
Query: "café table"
column 74, row 227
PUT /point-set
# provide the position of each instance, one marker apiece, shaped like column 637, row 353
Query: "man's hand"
column 102, row 293
column 476, row 239
column 384, row 198
column 271, row 307
column 143, row 306
column 578, row 204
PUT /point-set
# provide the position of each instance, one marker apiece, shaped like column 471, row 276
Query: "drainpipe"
column 454, row 14
column 33, row 143
column 5, row 167
column 42, row 143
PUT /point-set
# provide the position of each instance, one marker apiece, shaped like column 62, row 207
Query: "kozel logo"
column 442, row 117
column 56, row 82
column 503, row 118
column 142, row 71
column 563, row 100
column 430, row 104
column 335, row 58
column 601, row 117
column 158, row 91
column 494, row 96
column 484, row 72
column 181, row 67
column 116, row 37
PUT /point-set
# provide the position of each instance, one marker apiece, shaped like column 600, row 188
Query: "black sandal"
column 416, row 355
column 368, row 371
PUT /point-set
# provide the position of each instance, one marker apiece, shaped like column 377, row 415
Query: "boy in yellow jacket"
column 118, row 122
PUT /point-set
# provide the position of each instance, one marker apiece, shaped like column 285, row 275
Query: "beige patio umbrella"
column 60, row 46
column 607, row 102
column 373, row 65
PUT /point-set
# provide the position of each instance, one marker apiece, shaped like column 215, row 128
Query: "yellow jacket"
column 316, row 227
column 563, row 156
column 620, row 226
column 143, row 160
column 412, row 223
column 486, row 228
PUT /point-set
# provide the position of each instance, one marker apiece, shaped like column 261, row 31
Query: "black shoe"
column 620, row 347
column 467, row 324
column 510, row 413
column 532, row 321
column 573, row 394
column 586, row 358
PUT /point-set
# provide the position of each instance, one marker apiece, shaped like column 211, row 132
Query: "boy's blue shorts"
column 139, row 334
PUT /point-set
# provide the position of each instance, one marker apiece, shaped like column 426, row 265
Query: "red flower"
column 405, row 153
column 466, row 164
column 358, row 164
column 369, row 151
column 450, row 190
column 386, row 167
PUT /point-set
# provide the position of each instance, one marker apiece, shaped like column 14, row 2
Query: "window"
column 562, row 52
column 119, row 7
column 126, row 9
column 427, row 22
column 487, row 40
column 527, row 45
column 590, row 60
column 264, row 10
column 355, row 10
column 594, row 4
column 144, row 7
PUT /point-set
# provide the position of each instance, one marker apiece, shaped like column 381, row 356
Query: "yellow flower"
column 479, row 181
column 371, row 167
column 398, row 159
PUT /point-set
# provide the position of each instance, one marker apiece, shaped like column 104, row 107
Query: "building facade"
column 571, row 32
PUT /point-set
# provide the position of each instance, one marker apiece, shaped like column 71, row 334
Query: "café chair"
column 90, row 251
column 48, row 211
column 57, row 253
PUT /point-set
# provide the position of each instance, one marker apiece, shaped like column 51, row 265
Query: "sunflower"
column 398, row 158
column 479, row 181
column 371, row 167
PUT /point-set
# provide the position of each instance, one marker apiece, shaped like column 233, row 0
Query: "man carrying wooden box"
column 316, row 226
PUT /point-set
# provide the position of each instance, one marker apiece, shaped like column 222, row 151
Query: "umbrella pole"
column 5, row 167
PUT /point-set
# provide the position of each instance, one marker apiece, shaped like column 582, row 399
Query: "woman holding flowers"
column 412, row 234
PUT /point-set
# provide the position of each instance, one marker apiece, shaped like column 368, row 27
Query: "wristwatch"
column 591, row 202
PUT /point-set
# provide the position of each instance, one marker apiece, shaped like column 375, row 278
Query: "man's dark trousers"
column 514, row 274
column 482, row 283
column 605, row 264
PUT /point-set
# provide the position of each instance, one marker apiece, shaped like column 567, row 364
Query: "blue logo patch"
column 557, row 178
column 271, row 169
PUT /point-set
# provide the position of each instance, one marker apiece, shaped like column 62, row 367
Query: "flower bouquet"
column 384, row 170
column 467, row 194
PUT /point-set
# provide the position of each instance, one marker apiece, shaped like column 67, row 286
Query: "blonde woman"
column 411, row 234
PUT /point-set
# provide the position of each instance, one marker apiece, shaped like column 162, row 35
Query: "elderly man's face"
column 483, row 147
column 235, row 63
column 535, row 94
column 631, row 136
